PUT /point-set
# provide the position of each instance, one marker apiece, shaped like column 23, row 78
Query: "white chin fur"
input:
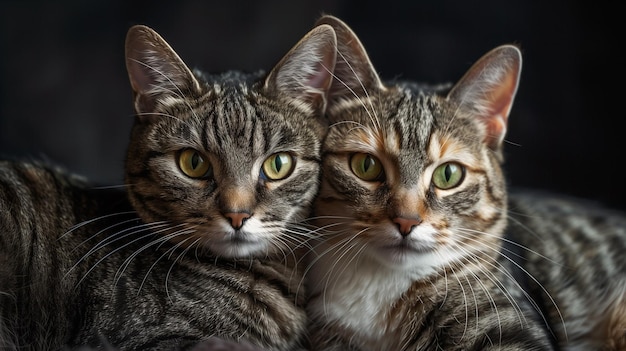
column 233, row 249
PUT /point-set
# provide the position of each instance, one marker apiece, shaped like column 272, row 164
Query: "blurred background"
column 65, row 96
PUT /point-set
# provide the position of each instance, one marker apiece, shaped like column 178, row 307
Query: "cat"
column 423, row 247
column 204, row 239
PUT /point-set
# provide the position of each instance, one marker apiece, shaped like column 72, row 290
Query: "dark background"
column 64, row 93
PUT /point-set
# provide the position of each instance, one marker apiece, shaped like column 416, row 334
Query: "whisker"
column 371, row 113
column 81, row 224
column 480, row 264
column 503, row 239
column 106, row 241
column 161, row 239
column 535, row 280
column 128, row 260
column 339, row 249
column 100, row 246
column 169, row 251
column 169, row 271
column 465, row 301
column 117, row 236
column 103, row 187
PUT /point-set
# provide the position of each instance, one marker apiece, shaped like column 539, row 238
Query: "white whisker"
column 169, row 271
column 77, row 226
column 169, row 251
column 498, row 251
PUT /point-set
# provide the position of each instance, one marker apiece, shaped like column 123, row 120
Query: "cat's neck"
column 358, row 296
column 372, row 286
column 337, row 270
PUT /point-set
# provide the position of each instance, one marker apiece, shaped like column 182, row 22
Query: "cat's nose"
column 237, row 219
column 405, row 225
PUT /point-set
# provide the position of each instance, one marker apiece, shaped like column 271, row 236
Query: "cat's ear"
column 155, row 70
column 355, row 75
column 305, row 72
column 488, row 90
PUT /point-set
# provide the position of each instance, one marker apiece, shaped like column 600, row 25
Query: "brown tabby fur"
column 406, row 264
column 175, row 257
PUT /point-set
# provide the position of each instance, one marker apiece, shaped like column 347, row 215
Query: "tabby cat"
column 205, row 239
column 422, row 245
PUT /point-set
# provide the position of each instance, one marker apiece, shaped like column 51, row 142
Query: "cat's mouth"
column 406, row 246
column 240, row 237
column 238, row 245
column 404, row 252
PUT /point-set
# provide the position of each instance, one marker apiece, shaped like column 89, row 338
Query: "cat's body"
column 422, row 247
column 370, row 291
column 203, row 241
column 161, row 298
column 571, row 261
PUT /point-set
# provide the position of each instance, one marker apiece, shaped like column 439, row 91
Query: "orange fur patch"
column 238, row 199
column 445, row 147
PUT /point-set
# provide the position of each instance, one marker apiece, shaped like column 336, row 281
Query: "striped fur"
column 494, row 269
column 175, row 257
column 404, row 263
column 573, row 255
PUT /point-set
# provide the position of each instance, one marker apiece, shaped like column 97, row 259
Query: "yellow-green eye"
column 278, row 166
column 193, row 164
column 366, row 167
column 448, row 175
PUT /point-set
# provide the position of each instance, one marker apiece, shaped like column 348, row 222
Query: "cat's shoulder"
column 38, row 179
column 38, row 169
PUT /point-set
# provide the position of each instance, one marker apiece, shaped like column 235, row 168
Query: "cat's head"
column 412, row 177
column 230, row 162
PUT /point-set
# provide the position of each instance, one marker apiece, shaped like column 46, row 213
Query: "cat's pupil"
column 369, row 162
column 366, row 167
column 277, row 166
column 448, row 173
column 196, row 160
column 279, row 161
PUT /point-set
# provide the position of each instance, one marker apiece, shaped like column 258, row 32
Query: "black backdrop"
column 64, row 93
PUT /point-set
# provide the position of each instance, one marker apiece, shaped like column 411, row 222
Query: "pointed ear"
column 155, row 70
column 488, row 90
column 355, row 75
column 305, row 72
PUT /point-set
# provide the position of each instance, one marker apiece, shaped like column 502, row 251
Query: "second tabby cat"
column 220, row 171
column 422, row 246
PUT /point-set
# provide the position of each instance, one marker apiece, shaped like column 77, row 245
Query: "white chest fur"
column 358, row 296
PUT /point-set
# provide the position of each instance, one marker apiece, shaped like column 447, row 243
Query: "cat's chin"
column 238, row 248
column 403, row 254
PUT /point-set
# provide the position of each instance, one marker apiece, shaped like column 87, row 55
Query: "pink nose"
column 405, row 225
column 237, row 219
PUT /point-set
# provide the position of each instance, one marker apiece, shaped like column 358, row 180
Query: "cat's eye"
column 278, row 166
column 448, row 175
column 193, row 164
column 366, row 167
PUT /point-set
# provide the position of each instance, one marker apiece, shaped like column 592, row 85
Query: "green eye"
column 448, row 175
column 193, row 164
column 278, row 166
column 366, row 167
